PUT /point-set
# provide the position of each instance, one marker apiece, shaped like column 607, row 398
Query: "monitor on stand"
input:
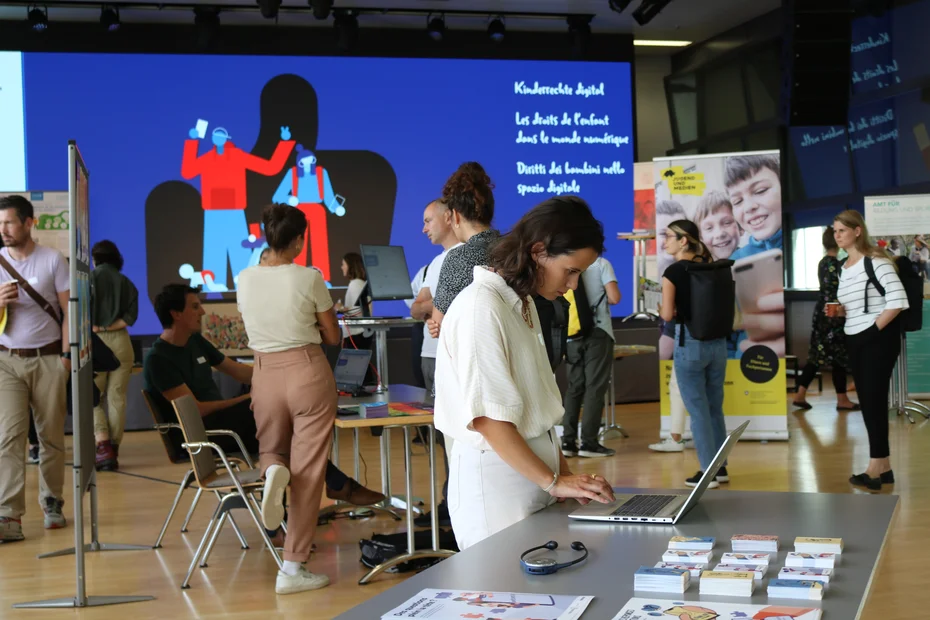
column 388, row 277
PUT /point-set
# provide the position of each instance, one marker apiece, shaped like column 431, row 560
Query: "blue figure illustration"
column 205, row 279
column 307, row 186
column 223, row 194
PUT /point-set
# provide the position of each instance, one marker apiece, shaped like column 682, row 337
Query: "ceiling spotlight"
column 321, row 8
column 496, row 29
column 206, row 22
column 345, row 23
column 436, row 27
column 38, row 18
column 269, row 8
column 619, row 5
column 649, row 9
column 109, row 18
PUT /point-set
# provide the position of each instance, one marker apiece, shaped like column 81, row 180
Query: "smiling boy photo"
column 753, row 184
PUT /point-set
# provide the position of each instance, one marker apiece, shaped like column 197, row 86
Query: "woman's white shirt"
column 279, row 306
column 852, row 293
column 491, row 363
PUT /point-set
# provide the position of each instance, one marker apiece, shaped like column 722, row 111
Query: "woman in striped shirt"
column 873, row 336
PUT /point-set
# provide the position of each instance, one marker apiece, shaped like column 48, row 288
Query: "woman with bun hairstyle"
column 496, row 395
column 873, row 336
column 288, row 313
column 469, row 195
column 700, row 365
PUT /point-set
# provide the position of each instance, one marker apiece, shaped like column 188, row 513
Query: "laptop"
column 350, row 369
column 665, row 508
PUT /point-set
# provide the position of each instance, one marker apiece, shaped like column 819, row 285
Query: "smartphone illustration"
column 201, row 127
column 756, row 276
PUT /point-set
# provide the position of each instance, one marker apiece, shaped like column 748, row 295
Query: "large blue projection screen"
column 385, row 135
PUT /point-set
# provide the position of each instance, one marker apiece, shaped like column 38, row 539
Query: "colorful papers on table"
column 651, row 609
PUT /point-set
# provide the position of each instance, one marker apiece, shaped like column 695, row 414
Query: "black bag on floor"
column 382, row 547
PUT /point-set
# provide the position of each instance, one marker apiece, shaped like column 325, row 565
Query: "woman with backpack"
column 873, row 335
column 700, row 365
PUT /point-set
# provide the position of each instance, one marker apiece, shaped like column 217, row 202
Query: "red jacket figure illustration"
column 223, row 196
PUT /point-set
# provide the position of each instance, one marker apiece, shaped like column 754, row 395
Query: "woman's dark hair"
column 829, row 241
column 356, row 266
column 562, row 225
column 688, row 230
column 283, row 224
column 468, row 191
column 106, row 253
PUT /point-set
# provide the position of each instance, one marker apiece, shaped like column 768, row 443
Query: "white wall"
column 653, row 128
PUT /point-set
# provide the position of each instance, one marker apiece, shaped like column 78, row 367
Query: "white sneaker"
column 303, row 581
column 668, row 445
column 276, row 479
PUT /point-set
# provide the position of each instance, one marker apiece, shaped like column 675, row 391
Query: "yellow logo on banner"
column 681, row 183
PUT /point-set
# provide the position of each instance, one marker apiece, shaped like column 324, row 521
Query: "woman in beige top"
column 288, row 313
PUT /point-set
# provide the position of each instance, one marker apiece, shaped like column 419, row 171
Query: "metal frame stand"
column 899, row 392
column 80, row 599
column 611, row 429
column 412, row 552
column 639, row 274
column 360, row 512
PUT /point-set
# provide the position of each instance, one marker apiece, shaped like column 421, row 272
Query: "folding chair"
column 179, row 456
column 236, row 488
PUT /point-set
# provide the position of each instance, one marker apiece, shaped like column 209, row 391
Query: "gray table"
column 617, row 550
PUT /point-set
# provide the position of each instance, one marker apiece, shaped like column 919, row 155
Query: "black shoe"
column 694, row 480
column 864, row 480
column 887, row 477
column 722, row 475
column 593, row 451
column 569, row 447
column 442, row 510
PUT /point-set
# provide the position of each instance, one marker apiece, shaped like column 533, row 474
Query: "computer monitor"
column 388, row 277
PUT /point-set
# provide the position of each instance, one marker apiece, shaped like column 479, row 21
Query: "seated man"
column 181, row 362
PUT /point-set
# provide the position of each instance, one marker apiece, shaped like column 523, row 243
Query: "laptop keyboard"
column 643, row 506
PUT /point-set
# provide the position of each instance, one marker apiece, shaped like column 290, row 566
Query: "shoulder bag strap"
column 43, row 302
column 870, row 272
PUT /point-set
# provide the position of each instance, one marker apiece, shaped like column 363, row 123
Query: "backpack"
column 382, row 547
column 913, row 282
column 713, row 300
column 553, row 321
column 580, row 312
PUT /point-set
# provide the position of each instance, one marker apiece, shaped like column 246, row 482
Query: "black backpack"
column 585, row 310
column 713, row 300
column 553, row 321
column 913, row 282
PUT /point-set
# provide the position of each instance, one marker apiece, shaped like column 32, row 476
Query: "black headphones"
column 548, row 566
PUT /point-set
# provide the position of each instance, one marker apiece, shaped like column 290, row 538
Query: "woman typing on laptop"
column 495, row 392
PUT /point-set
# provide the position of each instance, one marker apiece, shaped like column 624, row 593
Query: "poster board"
column 735, row 201
column 901, row 224
column 52, row 219
column 223, row 327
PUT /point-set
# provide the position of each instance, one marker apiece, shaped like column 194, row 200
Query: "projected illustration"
column 215, row 229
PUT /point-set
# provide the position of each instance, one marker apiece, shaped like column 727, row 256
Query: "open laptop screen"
column 351, row 367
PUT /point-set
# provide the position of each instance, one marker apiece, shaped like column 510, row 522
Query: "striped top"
column 491, row 363
column 851, row 294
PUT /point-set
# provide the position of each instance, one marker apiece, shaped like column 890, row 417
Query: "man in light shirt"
column 437, row 225
column 590, row 362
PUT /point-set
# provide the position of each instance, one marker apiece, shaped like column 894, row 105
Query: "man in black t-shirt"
column 181, row 363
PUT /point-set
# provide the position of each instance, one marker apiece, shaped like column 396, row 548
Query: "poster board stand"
column 82, row 380
column 640, row 308
column 899, row 393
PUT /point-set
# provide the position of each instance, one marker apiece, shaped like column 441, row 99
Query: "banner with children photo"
column 733, row 202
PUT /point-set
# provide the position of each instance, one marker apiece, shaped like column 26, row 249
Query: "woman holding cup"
column 828, row 340
column 873, row 336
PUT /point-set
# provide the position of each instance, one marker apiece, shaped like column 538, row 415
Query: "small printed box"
column 804, row 544
column 746, row 558
column 806, row 574
column 811, row 560
column 691, row 543
column 694, row 569
column 758, row 572
column 796, row 589
column 687, row 557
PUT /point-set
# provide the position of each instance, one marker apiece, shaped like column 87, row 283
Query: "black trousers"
column 590, row 362
column 810, row 369
column 240, row 419
column 872, row 355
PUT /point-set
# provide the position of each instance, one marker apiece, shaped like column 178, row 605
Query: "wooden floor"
column 825, row 447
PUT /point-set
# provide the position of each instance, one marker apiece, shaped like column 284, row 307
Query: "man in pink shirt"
column 34, row 367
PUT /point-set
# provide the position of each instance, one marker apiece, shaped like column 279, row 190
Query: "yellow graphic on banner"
column 741, row 397
column 681, row 183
